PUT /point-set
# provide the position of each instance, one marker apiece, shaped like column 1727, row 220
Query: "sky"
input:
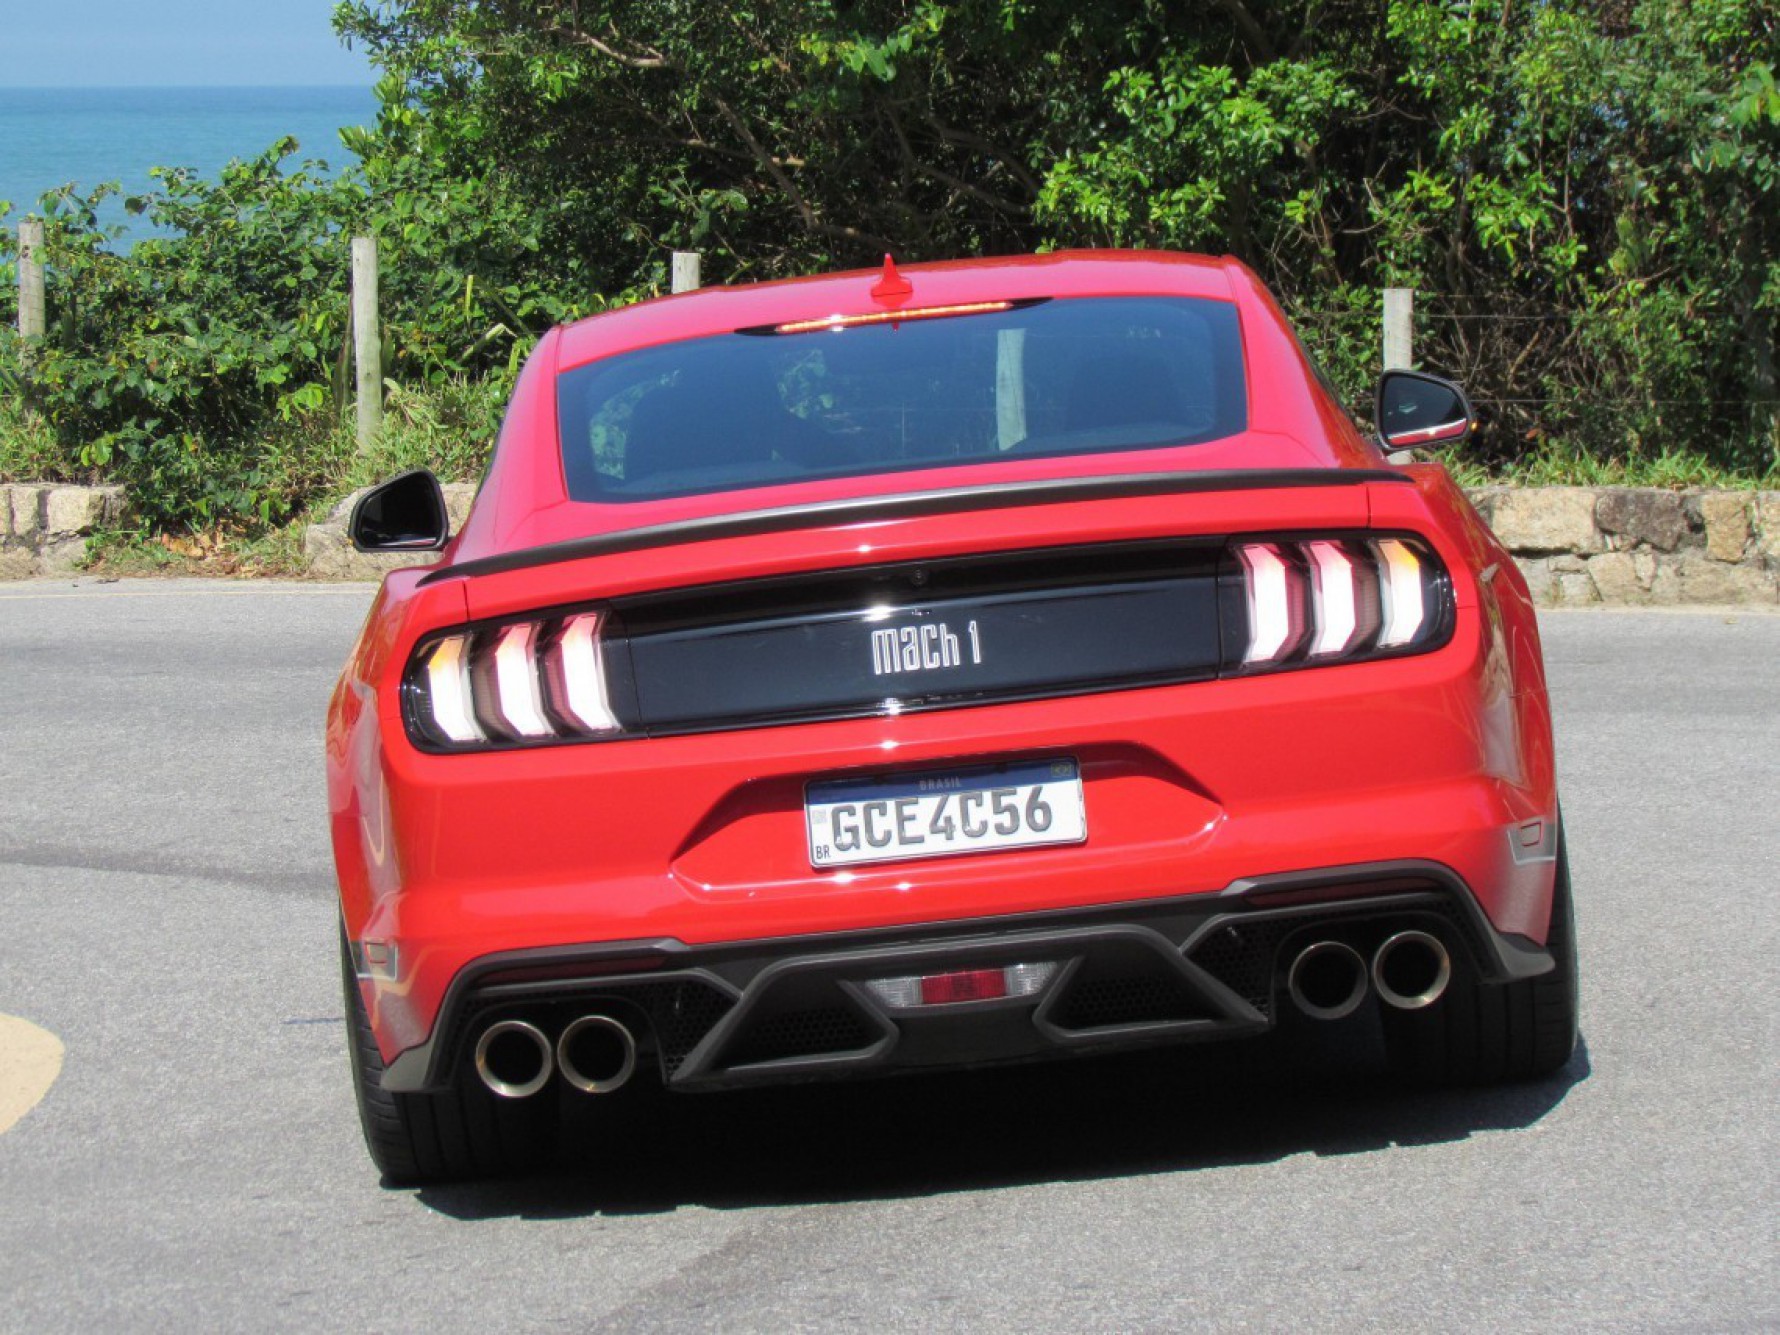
column 170, row 43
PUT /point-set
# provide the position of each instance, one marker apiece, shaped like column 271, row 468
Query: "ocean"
column 50, row 136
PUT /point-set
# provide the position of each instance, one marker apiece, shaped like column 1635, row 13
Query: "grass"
column 1553, row 465
column 449, row 428
column 29, row 451
column 308, row 466
column 131, row 552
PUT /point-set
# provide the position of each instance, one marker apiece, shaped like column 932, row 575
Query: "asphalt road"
column 166, row 913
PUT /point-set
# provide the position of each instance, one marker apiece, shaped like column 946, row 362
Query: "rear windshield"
column 757, row 408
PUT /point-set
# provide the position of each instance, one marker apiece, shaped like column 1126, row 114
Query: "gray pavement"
column 166, row 910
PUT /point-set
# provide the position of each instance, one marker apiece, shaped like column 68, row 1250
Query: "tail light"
column 1282, row 602
column 1305, row 601
column 527, row 681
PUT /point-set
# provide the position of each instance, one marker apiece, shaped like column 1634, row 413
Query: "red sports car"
column 997, row 660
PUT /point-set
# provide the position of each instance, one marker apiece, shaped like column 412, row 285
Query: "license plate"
column 939, row 813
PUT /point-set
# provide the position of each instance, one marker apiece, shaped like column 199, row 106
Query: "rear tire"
column 1481, row 1033
column 464, row 1132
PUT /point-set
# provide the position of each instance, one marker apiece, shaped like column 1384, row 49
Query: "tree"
column 1584, row 190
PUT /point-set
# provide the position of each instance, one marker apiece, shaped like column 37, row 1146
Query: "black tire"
column 464, row 1132
column 1482, row 1033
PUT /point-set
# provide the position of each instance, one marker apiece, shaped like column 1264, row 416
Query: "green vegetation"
column 1584, row 193
column 1552, row 465
column 28, row 448
column 208, row 368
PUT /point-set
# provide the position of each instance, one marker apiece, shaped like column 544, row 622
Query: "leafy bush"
column 1585, row 195
column 209, row 366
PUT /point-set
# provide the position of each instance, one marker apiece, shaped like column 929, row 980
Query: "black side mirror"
column 1413, row 409
column 405, row 514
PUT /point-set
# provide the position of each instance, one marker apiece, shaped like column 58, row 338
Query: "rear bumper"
column 1130, row 975
column 699, row 840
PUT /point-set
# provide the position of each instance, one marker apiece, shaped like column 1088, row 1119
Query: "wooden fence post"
column 1399, row 328
column 685, row 271
column 367, row 340
column 32, row 320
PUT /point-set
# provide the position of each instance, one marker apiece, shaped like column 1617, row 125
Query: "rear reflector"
column 942, row 989
column 947, row 989
column 377, row 960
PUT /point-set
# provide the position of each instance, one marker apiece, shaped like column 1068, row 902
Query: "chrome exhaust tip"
column 1411, row 970
column 596, row 1054
column 513, row 1058
column 1327, row 981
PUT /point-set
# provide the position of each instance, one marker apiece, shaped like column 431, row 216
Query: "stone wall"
column 1577, row 545
column 1640, row 546
column 44, row 529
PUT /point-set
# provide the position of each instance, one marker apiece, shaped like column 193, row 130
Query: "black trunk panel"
column 932, row 635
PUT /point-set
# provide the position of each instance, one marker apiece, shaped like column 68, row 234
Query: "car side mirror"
column 405, row 514
column 1413, row 409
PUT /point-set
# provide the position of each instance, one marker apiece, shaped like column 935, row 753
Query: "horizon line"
column 170, row 87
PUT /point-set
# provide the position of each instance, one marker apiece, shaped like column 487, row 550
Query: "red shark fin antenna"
column 891, row 286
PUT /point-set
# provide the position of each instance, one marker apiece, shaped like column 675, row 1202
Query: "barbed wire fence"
column 1610, row 381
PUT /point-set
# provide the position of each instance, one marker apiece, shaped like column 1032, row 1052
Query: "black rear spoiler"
column 913, row 505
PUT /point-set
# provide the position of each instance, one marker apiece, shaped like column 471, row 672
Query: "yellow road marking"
column 30, row 1061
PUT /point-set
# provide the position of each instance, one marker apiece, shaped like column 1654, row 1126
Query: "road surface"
column 166, row 917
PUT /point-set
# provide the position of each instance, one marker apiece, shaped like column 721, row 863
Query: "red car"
column 998, row 660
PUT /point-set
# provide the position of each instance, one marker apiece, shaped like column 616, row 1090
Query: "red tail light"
column 1306, row 601
column 576, row 676
column 529, row 681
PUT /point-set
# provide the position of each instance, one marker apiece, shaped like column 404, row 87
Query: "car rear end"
column 820, row 758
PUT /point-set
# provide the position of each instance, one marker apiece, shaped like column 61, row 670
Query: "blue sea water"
column 51, row 136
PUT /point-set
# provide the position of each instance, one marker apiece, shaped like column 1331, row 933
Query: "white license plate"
column 939, row 813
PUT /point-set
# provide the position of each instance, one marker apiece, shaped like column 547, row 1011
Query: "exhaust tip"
column 1411, row 970
column 1327, row 981
column 596, row 1054
column 513, row 1059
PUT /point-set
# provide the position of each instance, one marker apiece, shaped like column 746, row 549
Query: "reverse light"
column 1323, row 600
column 528, row 681
column 946, row 989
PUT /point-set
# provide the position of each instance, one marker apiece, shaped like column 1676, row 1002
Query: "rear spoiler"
column 914, row 505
